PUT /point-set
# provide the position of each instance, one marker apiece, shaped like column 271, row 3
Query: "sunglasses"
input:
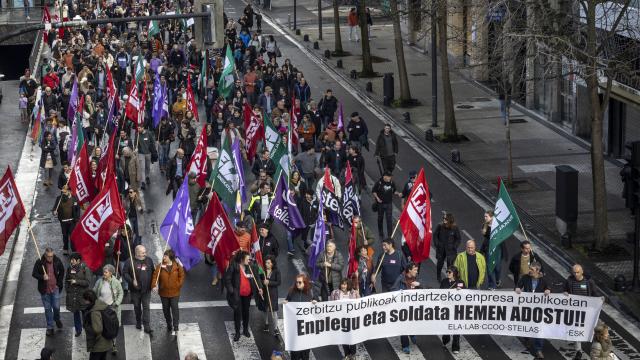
column 299, row 282
column 449, row 272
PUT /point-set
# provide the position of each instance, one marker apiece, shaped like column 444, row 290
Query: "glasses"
column 449, row 272
column 299, row 282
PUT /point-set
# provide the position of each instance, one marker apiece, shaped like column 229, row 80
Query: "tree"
column 450, row 128
column 367, row 64
column 336, row 28
column 405, row 92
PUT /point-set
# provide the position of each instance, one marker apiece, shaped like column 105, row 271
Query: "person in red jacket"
column 352, row 20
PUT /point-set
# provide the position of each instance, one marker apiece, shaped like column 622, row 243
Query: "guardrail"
column 15, row 15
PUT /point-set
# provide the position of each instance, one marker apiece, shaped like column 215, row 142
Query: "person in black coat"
column 327, row 107
column 356, row 161
column 48, row 147
column 270, row 281
column 265, row 163
column 534, row 282
column 176, row 171
column 336, row 159
column 268, row 242
column 49, row 271
column 387, row 148
column 447, row 239
column 301, row 291
column 240, row 284
column 187, row 136
column 452, row 281
column 521, row 261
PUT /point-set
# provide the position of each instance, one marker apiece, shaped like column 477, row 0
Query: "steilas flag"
column 214, row 234
column 353, row 257
column 80, row 182
column 191, row 100
column 199, row 159
column 104, row 217
column 415, row 220
column 11, row 208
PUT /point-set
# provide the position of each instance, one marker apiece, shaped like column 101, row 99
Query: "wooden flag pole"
column 166, row 246
column 254, row 280
column 395, row 228
column 523, row 232
column 269, row 298
column 35, row 242
column 133, row 267
column 67, row 184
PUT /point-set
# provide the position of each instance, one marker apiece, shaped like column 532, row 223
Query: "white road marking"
column 79, row 346
column 281, row 329
column 299, row 265
column 632, row 329
column 153, row 306
column 31, row 342
column 189, row 339
column 466, row 351
column 512, row 347
column 243, row 349
column 137, row 344
column 467, row 234
column 361, row 352
column 566, row 351
column 415, row 354
column 371, row 141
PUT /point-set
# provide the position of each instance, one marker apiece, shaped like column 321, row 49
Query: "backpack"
column 110, row 324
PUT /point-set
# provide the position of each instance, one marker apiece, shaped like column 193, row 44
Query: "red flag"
column 246, row 115
column 111, row 90
column 11, row 208
column 199, row 160
column 353, row 257
column 255, row 247
column 104, row 217
column 131, row 109
column 46, row 20
column 253, row 134
column 293, row 119
column 142, row 105
column 191, row 100
column 214, row 234
column 328, row 184
column 106, row 163
column 415, row 220
column 80, row 183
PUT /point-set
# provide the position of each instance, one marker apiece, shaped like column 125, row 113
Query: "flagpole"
column 395, row 228
column 254, row 280
column 166, row 245
column 66, row 184
column 523, row 232
column 35, row 242
column 133, row 267
column 375, row 275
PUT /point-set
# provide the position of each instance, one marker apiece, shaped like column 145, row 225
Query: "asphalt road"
column 207, row 314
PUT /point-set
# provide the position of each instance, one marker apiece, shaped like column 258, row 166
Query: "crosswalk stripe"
column 189, row 339
column 361, row 352
column 137, row 344
column 622, row 348
column 563, row 347
column 415, row 354
column 79, row 346
column 281, row 329
column 31, row 342
column 243, row 349
column 466, row 351
column 512, row 347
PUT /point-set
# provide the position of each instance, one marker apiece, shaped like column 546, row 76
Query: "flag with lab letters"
column 80, row 183
column 11, row 208
column 415, row 220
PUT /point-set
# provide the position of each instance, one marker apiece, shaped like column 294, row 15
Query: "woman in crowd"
column 168, row 278
column 301, row 291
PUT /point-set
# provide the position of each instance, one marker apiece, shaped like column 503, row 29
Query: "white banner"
column 440, row 312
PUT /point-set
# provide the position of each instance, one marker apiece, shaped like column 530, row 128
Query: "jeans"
column 384, row 211
column 140, row 302
column 495, row 275
column 170, row 311
column 163, row 155
column 51, row 304
column 77, row 320
column 300, row 355
column 352, row 30
column 67, row 229
column 537, row 345
column 290, row 238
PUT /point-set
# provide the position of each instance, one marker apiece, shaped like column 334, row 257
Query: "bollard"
column 327, row 54
column 305, row 38
column 455, row 156
column 407, row 117
column 289, row 20
column 369, row 86
column 316, row 46
column 354, row 74
column 428, row 135
column 297, row 31
column 620, row 283
column 339, row 64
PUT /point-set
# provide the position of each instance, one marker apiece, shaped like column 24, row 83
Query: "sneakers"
column 50, row 332
column 246, row 333
column 539, row 355
column 266, row 328
column 215, row 281
column 174, row 333
column 456, row 351
column 406, row 350
column 291, row 253
column 236, row 337
column 498, row 284
column 59, row 324
column 139, row 326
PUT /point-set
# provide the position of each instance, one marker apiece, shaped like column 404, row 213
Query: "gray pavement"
column 537, row 145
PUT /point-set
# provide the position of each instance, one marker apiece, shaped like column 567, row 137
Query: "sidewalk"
column 537, row 147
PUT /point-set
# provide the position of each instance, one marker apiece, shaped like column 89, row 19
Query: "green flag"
column 272, row 137
column 183, row 22
column 280, row 157
column 139, row 68
column 505, row 223
column 203, row 71
column 227, row 76
column 79, row 132
column 154, row 28
column 225, row 176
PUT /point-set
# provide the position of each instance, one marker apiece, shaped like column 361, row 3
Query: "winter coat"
column 525, row 284
column 170, row 282
column 328, row 106
column 144, row 270
column 381, row 148
column 514, row 264
column 133, row 171
column 296, row 295
column 38, row 273
column 187, row 142
column 447, row 241
column 274, row 281
column 269, row 245
column 461, row 264
column 93, row 328
column 48, row 147
column 335, row 272
column 232, row 283
column 116, row 292
column 82, row 276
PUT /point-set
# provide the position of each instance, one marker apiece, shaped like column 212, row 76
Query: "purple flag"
column 319, row 239
column 158, row 101
column 237, row 160
column 73, row 102
column 177, row 227
column 284, row 209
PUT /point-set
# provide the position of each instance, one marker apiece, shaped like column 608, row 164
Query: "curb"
column 556, row 254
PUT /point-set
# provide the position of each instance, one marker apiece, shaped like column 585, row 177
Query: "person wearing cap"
column 268, row 242
column 358, row 131
column 387, row 148
column 383, row 192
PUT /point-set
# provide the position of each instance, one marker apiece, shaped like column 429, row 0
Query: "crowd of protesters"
column 269, row 84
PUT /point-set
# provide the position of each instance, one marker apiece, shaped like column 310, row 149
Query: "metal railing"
column 16, row 15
